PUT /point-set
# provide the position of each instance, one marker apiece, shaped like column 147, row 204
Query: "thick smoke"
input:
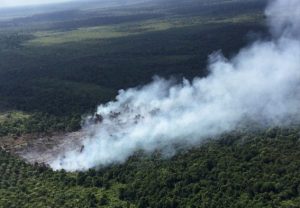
column 261, row 83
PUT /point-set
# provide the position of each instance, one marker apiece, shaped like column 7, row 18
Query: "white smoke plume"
column 261, row 83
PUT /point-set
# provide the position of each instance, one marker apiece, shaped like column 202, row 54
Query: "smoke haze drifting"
column 261, row 83
column 14, row 3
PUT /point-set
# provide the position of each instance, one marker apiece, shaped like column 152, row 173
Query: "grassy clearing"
column 128, row 29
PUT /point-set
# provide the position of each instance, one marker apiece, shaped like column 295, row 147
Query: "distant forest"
column 58, row 66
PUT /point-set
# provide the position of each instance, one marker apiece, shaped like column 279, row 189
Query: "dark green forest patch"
column 259, row 169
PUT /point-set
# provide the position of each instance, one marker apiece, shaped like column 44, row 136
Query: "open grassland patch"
column 122, row 30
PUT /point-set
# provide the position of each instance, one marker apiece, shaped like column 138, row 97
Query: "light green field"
column 123, row 30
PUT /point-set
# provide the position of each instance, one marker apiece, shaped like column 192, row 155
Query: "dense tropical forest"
column 258, row 169
column 57, row 66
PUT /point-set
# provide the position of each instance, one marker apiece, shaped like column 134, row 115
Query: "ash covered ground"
column 43, row 148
